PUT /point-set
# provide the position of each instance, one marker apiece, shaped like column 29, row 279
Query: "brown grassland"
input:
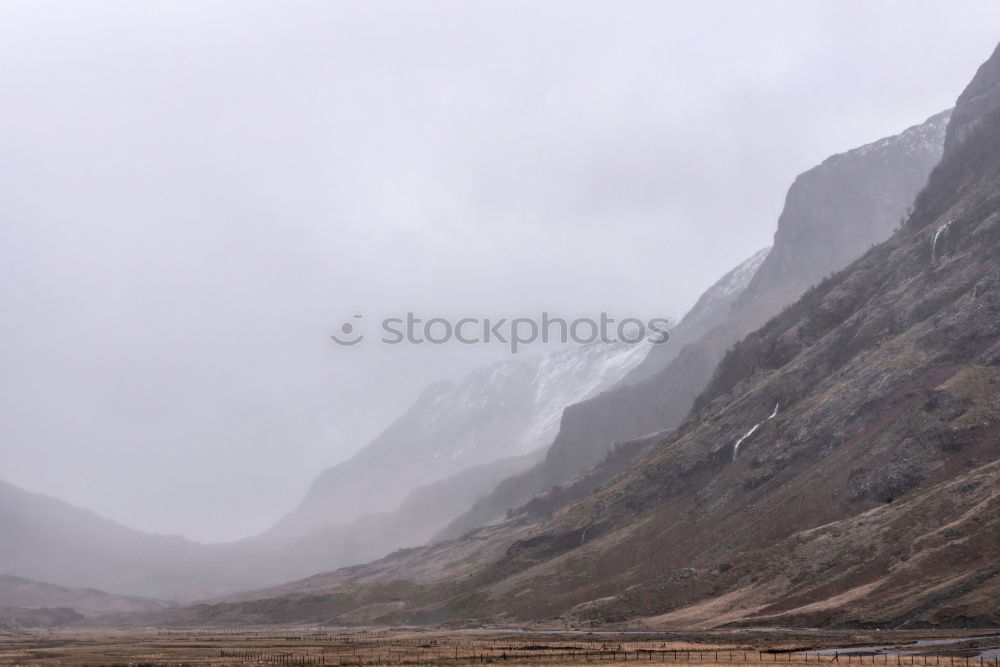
column 317, row 645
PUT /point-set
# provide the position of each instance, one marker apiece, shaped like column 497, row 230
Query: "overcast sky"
column 196, row 194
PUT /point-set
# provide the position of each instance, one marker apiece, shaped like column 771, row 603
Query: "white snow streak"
column 736, row 447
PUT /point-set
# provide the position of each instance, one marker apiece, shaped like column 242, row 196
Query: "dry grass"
column 322, row 646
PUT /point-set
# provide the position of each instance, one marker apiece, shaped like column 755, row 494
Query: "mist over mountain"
column 200, row 198
column 20, row 593
column 471, row 451
column 712, row 309
column 839, row 469
column 508, row 409
column 458, row 440
column 51, row 541
column 833, row 213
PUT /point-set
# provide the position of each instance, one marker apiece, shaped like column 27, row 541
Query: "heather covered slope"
column 864, row 489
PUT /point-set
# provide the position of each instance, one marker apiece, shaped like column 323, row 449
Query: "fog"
column 196, row 195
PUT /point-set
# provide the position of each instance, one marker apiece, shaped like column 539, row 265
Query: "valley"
column 809, row 472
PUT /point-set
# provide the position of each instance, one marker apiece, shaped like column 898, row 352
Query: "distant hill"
column 49, row 540
column 28, row 594
column 16, row 618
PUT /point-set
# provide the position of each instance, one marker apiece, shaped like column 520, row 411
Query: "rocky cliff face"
column 979, row 97
column 833, row 213
column 841, row 468
column 836, row 211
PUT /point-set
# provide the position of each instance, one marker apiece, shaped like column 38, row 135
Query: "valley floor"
column 323, row 646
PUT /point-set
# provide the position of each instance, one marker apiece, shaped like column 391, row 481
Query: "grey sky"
column 196, row 194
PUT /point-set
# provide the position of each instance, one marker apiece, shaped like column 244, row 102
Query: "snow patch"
column 736, row 447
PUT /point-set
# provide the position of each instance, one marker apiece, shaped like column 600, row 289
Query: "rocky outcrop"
column 974, row 104
column 836, row 211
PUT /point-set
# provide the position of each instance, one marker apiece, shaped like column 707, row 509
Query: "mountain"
column 833, row 213
column 974, row 105
column 711, row 309
column 459, row 439
column 16, row 618
column 482, row 434
column 50, row 540
column 508, row 409
column 836, row 211
column 17, row 592
column 840, row 468
column 842, row 465
column 423, row 513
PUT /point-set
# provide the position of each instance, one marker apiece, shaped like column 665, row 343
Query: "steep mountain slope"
column 975, row 103
column 871, row 496
column 504, row 410
column 713, row 307
column 23, row 593
column 842, row 467
column 833, row 213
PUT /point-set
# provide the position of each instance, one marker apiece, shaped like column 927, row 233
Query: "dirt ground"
column 323, row 646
